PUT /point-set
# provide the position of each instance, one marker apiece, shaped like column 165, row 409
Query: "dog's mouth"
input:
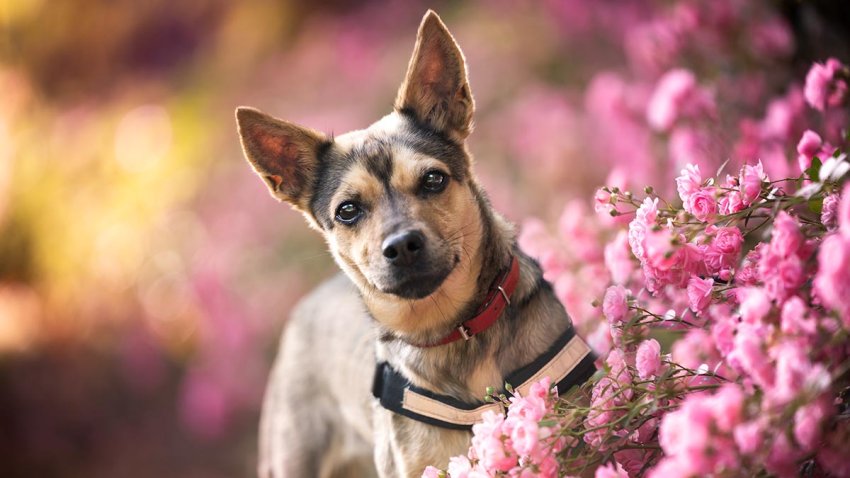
column 421, row 284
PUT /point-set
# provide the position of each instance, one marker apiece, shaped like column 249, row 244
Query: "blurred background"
column 145, row 273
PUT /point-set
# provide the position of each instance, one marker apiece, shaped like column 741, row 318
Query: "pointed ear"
column 285, row 155
column 436, row 90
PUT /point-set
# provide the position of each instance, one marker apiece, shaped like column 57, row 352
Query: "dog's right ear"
column 284, row 154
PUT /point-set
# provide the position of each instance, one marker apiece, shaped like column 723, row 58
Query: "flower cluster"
column 724, row 324
column 523, row 443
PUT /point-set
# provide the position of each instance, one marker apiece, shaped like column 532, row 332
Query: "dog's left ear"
column 436, row 90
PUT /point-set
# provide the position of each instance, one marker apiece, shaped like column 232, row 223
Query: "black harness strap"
column 390, row 387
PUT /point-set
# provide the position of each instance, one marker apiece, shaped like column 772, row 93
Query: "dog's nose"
column 403, row 248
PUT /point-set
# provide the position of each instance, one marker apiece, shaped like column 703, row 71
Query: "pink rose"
column 702, row 204
column 749, row 436
column 751, row 179
column 749, row 357
column 618, row 258
column 677, row 95
column 825, row 86
column 644, row 221
column 794, row 320
column 614, row 304
column 728, row 240
column 431, row 472
column 731, row 202
column 808, row 147
column 808, row 422
column 727, row 406
column 688, row 182
column 844, row 212
column 648, row 359
column 755, row 304
column 829, row 212
column 660, row 252
column 459, row 467
column 699, row 293
column 524, row 436
column 786, row 238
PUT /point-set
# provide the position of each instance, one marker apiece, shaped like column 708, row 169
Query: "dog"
column 381, row 370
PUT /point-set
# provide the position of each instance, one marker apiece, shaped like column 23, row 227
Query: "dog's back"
column 316, row 418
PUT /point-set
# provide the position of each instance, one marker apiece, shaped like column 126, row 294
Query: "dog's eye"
column 348, row 212
column 434, row 181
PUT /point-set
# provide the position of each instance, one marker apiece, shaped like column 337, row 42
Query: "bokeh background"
column 145, row 273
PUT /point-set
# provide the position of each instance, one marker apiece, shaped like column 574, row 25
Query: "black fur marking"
column 428, row 141
column 332, row 166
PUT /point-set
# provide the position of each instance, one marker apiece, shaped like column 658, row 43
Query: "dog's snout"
column 404, row 248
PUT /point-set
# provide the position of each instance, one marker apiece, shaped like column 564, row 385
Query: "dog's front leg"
column 404, row 447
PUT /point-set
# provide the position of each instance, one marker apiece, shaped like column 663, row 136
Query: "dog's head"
column 396, row 202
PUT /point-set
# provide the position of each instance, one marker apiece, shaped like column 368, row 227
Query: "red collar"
column 490, row 310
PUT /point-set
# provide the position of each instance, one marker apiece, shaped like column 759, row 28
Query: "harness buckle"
column 464, row 332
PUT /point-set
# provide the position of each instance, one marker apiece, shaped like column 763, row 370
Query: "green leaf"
column 814, row 170
column 816, row 205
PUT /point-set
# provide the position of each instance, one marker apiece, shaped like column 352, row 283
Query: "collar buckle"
column 464, row 332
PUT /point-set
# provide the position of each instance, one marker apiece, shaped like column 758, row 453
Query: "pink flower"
column 749, row 357
column 781, row 268
column 728, row 240
column 694, row 349
column 648, row 359
column 748, row 273
column 844, row 212
column 488, row 445
column 644, row 221
column 687, row 434
column 755, row 304
column 672, row 467
column 809, row 420
column 723, row 329
column 611, row 470
column 602, row 202
column 771, row 37
column 659, row 249
column 702, row 204
column 459, row 467
column 431, row 472
column 783, row 456
column 794, row 320
column 751, row 179
column 688, row 182
column 689, row 146
column 786, row 238
column 825, row 86
column 749, row 436
column 795, row 373
column 832, row 281
column 731, row 202
column 699, row 293
column 614, row 304
column 524, row 436
column 829, row 212
column 727, row 406
column 808, row 147
column 618, row 258
column 678, row 95
column 721, row 256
